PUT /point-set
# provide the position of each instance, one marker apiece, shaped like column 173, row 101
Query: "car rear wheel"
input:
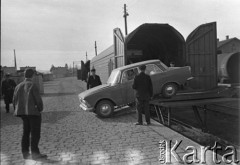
column 104, row 108
column 169, row 90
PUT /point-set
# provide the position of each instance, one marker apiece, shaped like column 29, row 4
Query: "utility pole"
column 96, row 48
column 125, row 18
column 86, row 57
column 73, row 68
column 15, row 60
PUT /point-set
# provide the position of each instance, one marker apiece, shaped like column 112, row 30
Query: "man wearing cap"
column 93, row 80
column 8, row 87
column 28, row 105
column 142, row 84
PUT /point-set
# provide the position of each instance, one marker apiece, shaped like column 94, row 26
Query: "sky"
column 59, row 32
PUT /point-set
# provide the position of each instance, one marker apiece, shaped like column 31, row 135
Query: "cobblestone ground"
column 72, row 136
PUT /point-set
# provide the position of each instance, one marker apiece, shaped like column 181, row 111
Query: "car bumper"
column 85, row 108
column 190, row 78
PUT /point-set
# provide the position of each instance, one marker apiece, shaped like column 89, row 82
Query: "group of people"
column 142, row 84
column 28, row 105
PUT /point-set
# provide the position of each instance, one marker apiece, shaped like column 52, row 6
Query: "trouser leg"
column 25, row 136
column 146, row 111
column 7, row 102
column 35, row 133
column 139, row 110
column 7, row 107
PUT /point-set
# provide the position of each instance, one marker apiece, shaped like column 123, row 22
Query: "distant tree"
column 66, row 65
column 52, row 67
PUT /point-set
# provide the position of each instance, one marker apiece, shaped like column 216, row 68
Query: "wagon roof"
column 152, row 30
column 103, row 54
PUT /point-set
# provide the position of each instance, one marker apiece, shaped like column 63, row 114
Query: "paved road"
column 72, row 136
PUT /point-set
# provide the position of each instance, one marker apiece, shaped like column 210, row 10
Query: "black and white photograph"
column 120, row 82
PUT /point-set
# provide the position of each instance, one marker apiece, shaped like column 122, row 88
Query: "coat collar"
column 142, row 73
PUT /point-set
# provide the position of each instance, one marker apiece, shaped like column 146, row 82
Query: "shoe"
column 148, row 123
column 138, row 123
column 39, row 156
column 27, row 156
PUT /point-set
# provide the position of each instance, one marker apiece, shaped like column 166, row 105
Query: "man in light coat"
column 28, row 105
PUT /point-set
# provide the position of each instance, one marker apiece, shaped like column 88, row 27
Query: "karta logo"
column 168, row 151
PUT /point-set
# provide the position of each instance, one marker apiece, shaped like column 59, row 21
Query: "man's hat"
column 93, row 70
column 7, row 74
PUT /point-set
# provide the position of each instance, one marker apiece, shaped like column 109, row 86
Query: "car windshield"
column 114, row 77
column 162, row 66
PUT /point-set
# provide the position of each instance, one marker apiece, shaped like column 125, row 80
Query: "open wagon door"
column 201, row 55
column 118, row 40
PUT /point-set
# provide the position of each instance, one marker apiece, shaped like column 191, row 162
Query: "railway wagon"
column 103, row 63
column 229, row 67
column 164, row 42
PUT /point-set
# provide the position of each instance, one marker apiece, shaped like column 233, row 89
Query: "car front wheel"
column 169, row 90
column 104, row 108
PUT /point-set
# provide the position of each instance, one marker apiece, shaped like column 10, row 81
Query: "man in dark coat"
column 93, row 80
column 143, row 86
column 28, row 105
column 8, row 87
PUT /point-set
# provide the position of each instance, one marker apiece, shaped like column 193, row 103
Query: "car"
column 117, row 92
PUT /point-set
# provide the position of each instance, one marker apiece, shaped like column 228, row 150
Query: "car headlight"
column 84, row 102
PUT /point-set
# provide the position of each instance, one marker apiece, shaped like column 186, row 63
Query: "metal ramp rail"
column 196, row 100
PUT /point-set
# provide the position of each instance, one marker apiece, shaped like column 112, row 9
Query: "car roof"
column 137, row 64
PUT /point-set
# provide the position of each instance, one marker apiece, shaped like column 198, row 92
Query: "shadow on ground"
column 44, row 161
column 54, row 116
column 119, row 116
column 8, row 119
column 58, row 94
column 10, row 158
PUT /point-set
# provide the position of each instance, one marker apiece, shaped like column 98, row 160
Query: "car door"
column 127, row 81
column 156, row 75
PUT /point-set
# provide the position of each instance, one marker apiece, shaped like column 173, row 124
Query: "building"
column 10, row 70
column 229, row 45
column 59, row 72
column 47, row 76
column 27, row 67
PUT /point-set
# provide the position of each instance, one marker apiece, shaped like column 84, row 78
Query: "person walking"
column 28, row 105
column 93, row 80
column 142, row 85
column 8, row 87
